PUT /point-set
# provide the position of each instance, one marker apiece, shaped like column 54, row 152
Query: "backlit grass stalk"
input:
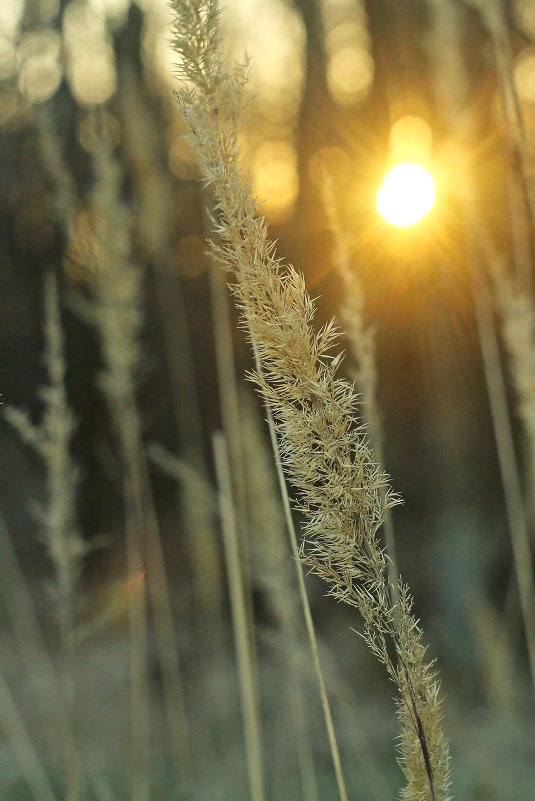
column 514, row 503
column 153, row 188
column 518, row 310
column 323, row 449
column 305, row 603
column 493, row 15
column 116, row 312
column 516, row 512
column 116, row 315
column 514, row 296
column 51, row 439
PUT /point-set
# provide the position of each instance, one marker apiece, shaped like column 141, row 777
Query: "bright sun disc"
column 406, row 195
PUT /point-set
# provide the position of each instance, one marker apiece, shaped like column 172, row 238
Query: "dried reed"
column 324, row 452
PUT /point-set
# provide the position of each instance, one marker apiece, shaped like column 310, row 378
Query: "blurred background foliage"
column 329, row 77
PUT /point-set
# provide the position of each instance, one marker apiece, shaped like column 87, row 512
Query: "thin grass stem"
column 514, row 503
column 239, row 617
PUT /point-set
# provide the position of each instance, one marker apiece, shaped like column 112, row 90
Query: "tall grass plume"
column 324, row 451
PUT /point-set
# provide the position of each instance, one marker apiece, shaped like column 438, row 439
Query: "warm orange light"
column 410, row 140
column 135, row 581
column 408, row 190
column 406, row 195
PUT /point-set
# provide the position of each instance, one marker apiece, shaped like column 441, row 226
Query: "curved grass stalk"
column 307, row 612
column 322, row 448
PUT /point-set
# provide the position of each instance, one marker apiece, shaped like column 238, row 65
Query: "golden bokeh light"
column 406, row 195
column 10, row 19
column 40, row 69
column 410, row 140
column 11, row 12
column 350, row 66
column 90, row 55
column 273, row 35
column 276, row 178
column 349, row 74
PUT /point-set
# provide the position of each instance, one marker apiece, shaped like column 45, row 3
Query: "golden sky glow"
column 406, row 195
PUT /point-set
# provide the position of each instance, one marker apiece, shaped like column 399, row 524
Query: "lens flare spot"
column 406, row 195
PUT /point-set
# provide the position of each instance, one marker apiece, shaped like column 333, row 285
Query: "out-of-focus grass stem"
column 451, row 81
column 51, row 439
column 20, row 611
column 247, row 682
column 516, row 513
column 117, row 313
column 230, row 414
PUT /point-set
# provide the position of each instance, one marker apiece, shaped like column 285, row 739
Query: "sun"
column 406, row 195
